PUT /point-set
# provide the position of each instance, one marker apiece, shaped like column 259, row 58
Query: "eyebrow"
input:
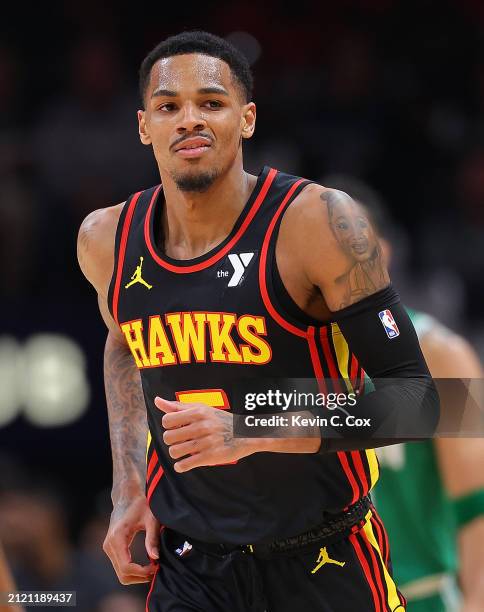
column 213, row 90
column 204, row 90
column 164, row 92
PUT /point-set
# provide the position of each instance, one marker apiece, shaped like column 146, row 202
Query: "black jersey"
column 197, row 326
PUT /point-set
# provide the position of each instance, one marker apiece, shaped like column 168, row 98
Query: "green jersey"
column 417, row 514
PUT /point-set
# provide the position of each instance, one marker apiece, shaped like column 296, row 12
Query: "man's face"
column 353, row 230
column 195, row 117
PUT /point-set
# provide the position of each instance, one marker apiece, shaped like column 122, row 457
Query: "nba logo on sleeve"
column 389, row 324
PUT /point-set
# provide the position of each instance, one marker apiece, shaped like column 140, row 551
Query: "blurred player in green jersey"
column 425, row 490
column 431, row 494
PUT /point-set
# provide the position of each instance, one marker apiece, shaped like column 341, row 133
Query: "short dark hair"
column 197, row 41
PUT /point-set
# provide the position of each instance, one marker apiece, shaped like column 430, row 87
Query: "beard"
column 196, row 183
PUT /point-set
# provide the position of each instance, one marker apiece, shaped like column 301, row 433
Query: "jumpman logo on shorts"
column 137, row 278
column 325, row 558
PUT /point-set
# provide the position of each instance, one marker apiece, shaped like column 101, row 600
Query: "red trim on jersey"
column 147, row 609
column 151, row 465
column 360, row 470
column 353, row 370
column 217, row 256
column 313, row 351
column 343, row 458
column 378, row 520
column 333, row 370
column 377, row 569
column 122, row 252
column 381, row 543
column 154, row 482
column 318, row 370
column 366, row 569
column 263, row 269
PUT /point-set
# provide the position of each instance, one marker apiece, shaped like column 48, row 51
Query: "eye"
column 213, row 104
column 167, row 107
column 342, row 225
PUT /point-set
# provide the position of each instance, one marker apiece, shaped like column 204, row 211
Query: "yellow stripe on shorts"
column 393, row 598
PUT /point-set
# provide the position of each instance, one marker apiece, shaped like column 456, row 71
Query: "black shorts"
column 349, row 574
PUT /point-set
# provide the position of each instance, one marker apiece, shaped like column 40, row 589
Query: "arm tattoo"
column 358, row 240
column 127, row 420
column 228, row 431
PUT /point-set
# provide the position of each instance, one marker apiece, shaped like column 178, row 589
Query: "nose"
column 190, row 119
column 353, row 230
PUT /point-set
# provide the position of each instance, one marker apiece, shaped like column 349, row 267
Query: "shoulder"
column 316, row 209
column 95, row 245
column 308, row 226
column 439, row 337
column 310, row 203
column 320, row 200
column 448, row 354
column 308, row 211
column 334, row 244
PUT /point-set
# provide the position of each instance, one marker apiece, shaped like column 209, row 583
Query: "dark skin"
column 194, row 102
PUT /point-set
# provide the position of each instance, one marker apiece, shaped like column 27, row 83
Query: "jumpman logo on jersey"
column 325, row 558
column 137, row 278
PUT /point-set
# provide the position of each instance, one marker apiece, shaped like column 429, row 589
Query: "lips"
column 360, row 247
column 193, row 143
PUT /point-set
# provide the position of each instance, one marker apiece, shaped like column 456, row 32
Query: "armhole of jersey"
column 120, row 242
column 277, row 312
column 283, row 300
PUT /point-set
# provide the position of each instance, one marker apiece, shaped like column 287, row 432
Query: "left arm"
column 342, row 258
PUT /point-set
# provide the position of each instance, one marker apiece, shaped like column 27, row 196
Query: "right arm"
column 126, row 408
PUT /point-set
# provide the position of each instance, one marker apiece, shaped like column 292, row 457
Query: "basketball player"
column 248, row 278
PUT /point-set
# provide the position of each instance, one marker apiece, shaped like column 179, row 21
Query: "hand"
column 126, row 521
column 203, row 433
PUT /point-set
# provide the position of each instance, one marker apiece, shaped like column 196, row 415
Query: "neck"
column 194, row 223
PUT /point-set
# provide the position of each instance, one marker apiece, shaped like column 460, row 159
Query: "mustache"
column 182, row 139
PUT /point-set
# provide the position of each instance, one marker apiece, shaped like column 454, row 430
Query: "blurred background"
column 390, row 93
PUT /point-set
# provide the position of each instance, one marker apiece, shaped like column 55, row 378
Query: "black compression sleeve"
column 405, row 395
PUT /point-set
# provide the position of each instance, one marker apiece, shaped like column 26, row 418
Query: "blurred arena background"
column 389, row 92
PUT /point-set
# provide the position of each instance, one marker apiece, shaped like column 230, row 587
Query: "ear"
column 142, row 129
column 248, row 120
